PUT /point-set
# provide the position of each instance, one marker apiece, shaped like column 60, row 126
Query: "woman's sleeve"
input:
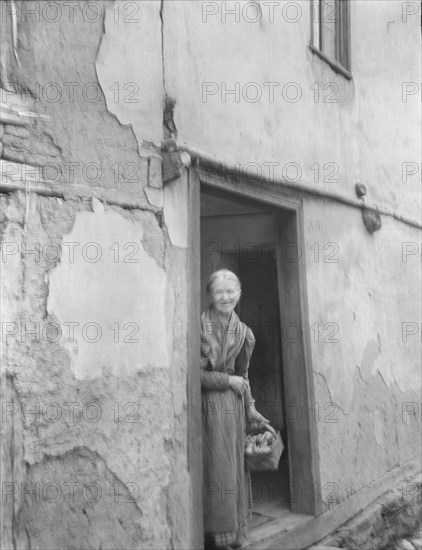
column 211, row 380
column 242, row 363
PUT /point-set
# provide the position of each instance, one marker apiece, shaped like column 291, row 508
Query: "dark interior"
column 242, row 236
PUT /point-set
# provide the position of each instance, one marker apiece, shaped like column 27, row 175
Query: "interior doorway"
column 251, row 237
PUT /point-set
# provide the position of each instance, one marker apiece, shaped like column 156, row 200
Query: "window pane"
column 329, row 17
column 343, row 54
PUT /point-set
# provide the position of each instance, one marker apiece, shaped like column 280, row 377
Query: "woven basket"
column 268, row 460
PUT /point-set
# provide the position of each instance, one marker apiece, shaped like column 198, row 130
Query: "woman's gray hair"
column 222, row 275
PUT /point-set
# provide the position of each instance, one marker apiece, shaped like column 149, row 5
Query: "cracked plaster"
column 143, row 341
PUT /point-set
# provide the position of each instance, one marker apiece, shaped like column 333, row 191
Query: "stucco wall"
column 251, row 92
column 123, row 451
column 105, row 450
column 364, row 295
column 290, row 107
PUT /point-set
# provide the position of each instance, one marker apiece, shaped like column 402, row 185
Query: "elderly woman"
column 226, row 348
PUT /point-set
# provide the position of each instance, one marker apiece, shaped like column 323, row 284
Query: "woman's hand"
column 258, row 421
column 238, row 384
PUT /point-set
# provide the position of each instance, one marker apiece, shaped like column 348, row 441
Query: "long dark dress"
column 225, row 350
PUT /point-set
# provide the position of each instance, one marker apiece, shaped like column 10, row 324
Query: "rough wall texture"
column 95, row 423
column 365, row 354
column 69, row 98
column 393, row 515
column 93, row 395
column 287, row 106
column 94, row 413
column 317, row 128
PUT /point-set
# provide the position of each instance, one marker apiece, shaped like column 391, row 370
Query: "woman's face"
column 225, row 294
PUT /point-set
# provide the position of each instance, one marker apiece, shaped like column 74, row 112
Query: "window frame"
column 342, row 63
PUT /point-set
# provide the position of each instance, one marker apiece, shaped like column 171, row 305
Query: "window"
column 330, row 33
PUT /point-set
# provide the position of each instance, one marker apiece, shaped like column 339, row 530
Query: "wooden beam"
column 17, row 109
column 28, row 179
column 230, row 175
column 193, row 341
column 297, row 366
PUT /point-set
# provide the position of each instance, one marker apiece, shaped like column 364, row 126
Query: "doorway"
column 241, row 237
column 253, row 238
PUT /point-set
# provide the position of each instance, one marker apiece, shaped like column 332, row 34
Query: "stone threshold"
column 391, row 522
column 344, row 525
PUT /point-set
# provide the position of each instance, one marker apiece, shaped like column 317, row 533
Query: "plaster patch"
column 154, row 196
column 379, row 315
column 97, row 206
column 129, row 67
column 116, row 295
column 176, row 211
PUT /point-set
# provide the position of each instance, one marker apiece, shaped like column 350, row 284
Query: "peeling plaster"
column 85, row 528
column 130, row 69
column 148, row 455
column 154, row 196
column 106, row 298
column 381, row 295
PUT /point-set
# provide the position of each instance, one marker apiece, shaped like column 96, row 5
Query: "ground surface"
column 412, row 542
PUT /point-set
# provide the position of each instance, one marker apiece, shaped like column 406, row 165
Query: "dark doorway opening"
column 216, row 201
column 242, row 236
column 259, row 309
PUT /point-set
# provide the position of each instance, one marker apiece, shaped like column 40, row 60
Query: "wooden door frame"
column 297, row 361
column 299, row 392
column 194, row 436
